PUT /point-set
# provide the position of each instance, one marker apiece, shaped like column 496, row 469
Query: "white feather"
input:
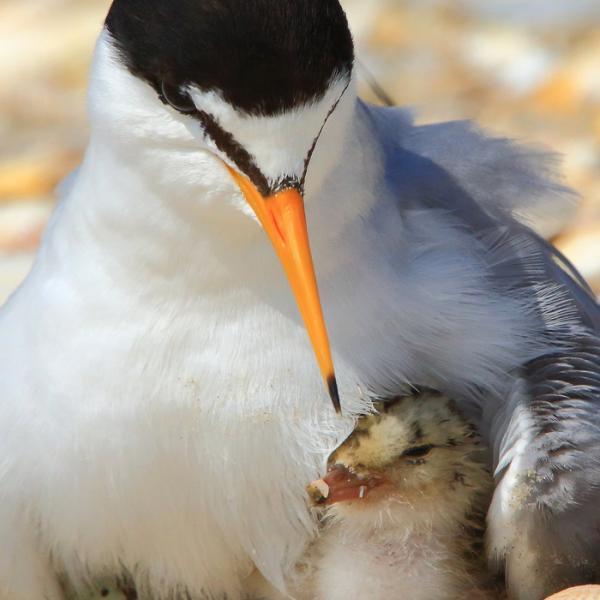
column 161, row 407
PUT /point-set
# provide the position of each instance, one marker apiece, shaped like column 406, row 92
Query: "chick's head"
column 414, row 452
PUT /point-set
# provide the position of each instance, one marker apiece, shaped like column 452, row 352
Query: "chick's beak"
column 282, row 217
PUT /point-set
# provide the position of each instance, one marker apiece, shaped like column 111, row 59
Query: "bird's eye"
column 418, row 451
column 175, row 98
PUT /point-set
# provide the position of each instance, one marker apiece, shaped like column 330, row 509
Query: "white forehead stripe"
column 279, row 144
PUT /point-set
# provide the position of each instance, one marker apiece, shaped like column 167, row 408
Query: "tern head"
column 415, row 453
column 255, row 82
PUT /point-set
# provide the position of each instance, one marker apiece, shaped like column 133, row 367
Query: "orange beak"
column 282, row 217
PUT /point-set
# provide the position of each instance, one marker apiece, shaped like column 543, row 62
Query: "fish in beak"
column 283, row 219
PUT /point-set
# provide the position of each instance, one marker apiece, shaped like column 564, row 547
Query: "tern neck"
column 168, row 214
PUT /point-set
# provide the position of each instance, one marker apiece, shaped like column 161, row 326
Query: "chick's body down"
column 414, row 490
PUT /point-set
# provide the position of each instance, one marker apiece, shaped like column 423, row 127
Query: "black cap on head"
column 263, row 56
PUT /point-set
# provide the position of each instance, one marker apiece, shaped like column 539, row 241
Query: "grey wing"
column 565, row 274
column 502, row 177
column 544, row 522
column 486, row 183
column 489, row 183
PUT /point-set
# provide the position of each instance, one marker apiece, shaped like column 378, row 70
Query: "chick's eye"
column 418, row 451
column 175, row 98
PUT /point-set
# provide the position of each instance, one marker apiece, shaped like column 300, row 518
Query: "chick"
column 404, row 504
column 406, row 498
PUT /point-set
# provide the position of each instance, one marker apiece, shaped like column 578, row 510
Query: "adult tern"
column 162, row 409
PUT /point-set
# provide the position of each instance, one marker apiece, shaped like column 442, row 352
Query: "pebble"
column 539, row 14
column 22, row 224
column 34, row 175
column 583, row 249
column 586, row 592
column 14, row 266
column 515, row 60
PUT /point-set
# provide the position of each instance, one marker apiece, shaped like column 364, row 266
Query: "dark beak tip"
column 334, row 394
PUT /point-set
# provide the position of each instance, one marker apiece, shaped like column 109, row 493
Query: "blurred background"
column 528, row 69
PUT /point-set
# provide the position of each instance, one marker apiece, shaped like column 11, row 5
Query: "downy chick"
column 406, row 498
column 404, row 504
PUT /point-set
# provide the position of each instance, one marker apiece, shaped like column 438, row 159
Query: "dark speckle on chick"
column 404, row 504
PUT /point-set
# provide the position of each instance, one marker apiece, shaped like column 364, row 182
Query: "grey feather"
column 556, row 503
column 483, row 183
column 551, row 419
